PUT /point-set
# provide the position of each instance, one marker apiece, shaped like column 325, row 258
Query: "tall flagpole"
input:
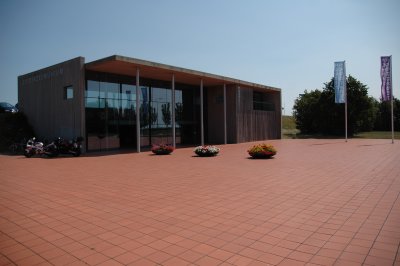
column 345, row 101
column 340, row 86
column 391, row 100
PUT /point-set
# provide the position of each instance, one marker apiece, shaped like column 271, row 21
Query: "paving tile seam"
column 377, row 202
column 354, row 195
column 28, row 248
column 88, row 246
column 9, row 260
column 391, row 208
column 397, row 257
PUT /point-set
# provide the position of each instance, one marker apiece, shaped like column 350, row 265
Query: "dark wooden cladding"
column 215, row 106
column 41, row 97
column 243, row 122
column 215, row 119
column 231, row 119
column 253, row 125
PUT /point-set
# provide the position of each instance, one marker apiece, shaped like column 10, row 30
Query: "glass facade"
column 110, row 115
column 110, row 103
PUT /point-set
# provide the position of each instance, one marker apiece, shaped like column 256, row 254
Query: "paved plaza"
column 318, row 202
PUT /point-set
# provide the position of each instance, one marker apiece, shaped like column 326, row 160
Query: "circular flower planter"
column 262, row 151
column 206, row 151
column 162, row 149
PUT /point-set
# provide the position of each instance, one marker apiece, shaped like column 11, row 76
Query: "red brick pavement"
column 318, row 202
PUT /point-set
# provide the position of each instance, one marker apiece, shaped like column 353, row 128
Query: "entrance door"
column 127, row 117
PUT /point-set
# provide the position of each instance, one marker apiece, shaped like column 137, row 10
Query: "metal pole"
column 173, row 111
column 201, row 113
column 345, row 102
column 225, row 133
column 391, row 100
column 280, row 105
column 345, row 118
column 392, row 120
column 137, row 111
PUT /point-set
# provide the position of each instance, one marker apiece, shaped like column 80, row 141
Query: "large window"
column 262, row 101
column 111, row 112
column 156, row 115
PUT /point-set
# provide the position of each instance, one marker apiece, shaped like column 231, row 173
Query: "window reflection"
column 92, row 89
column 111, row 114
column 128, row 92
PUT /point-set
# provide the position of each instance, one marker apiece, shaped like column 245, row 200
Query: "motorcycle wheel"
column 51, row 151
column 52, row 154
column 76, row 153
column 28, row 154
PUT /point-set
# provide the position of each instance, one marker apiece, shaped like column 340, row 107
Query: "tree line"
column 316, row 112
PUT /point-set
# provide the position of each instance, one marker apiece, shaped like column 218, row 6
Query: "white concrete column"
column 173, row 111
column 201, row 112
column 225, row 133
column 137, row 111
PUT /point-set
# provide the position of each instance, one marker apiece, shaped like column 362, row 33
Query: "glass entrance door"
column 127, row 117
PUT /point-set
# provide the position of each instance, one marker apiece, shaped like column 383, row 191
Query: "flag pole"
column 391, row 100
column 345, row 116
column 345, row 102
column 340, row 86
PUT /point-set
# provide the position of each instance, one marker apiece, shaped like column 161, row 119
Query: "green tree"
column 317, row 113
column 383, row 120
column 14, row 128
column 306, row 110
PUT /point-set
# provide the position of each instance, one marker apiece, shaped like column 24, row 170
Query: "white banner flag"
column 339, row 82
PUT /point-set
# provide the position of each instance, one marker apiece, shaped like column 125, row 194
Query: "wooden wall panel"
column 231, row 111
column 253, row 125
column 216, row 114
column 231, row 91
column 215, row 117
column 41, row 97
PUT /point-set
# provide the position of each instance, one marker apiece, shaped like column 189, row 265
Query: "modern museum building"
column 120, row 102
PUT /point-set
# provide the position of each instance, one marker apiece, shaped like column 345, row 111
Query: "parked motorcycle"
column 34, row 147
column 62, row 146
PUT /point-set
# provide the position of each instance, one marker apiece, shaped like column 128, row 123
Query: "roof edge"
column 52, row 66
column 180, row 69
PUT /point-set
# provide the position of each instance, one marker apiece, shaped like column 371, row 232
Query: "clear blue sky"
column 287, row 44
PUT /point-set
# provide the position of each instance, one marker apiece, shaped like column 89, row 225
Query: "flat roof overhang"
column 127, row 66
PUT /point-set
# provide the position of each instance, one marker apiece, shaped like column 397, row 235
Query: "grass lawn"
column 378, row 135
column 289, row 131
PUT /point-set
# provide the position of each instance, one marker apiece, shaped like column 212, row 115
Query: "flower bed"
column 262, row 151
column 206, row 151
column 162, row 149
